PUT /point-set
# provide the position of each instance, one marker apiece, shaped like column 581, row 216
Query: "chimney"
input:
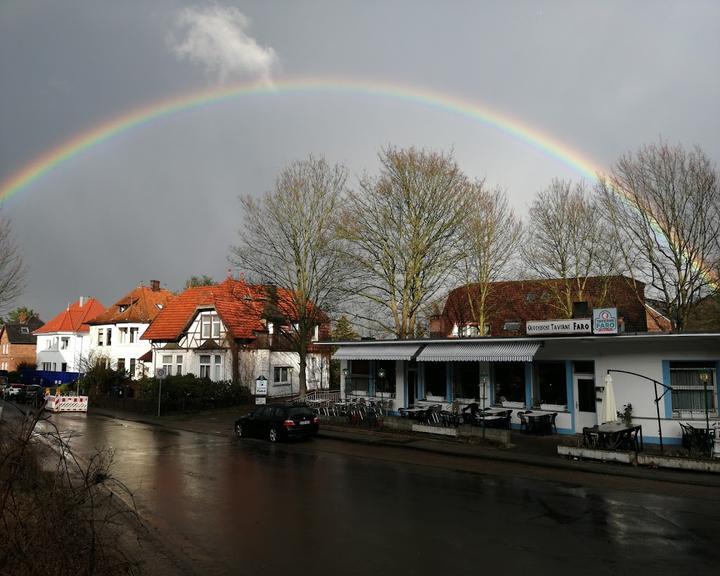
column 155, row 285
column 82, row 301
column 437, row 327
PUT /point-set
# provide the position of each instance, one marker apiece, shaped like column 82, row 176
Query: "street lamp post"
column 704, row 377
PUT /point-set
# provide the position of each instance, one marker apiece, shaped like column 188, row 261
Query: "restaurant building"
column 547, row 363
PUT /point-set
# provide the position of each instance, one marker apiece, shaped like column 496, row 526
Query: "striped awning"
column 479, row 352
column 376, row 352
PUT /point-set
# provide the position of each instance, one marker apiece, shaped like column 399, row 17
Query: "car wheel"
column 238, row 430
column 272, row 434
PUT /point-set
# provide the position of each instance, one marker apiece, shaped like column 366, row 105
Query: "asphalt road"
column 223, row 506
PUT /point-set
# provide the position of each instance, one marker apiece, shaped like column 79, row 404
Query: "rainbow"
column 76, row 145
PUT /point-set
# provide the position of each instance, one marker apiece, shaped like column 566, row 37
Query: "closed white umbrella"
column 608, row 413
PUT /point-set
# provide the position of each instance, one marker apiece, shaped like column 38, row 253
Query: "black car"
column 278, row 422
column 32, row 394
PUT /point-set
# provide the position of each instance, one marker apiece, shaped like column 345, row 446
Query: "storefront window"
column 386, row 384
column 359, row 376
column 509, row 381
column 435, row 379
column 466, row 378
column 688, row 394
column 550, row 385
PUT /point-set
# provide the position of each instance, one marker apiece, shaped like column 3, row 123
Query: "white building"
column 562, row 374
column 208, row 330
column 116, row 334
column 63, row 343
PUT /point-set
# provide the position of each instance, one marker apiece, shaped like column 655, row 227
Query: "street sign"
column 160, row 373
column 260, row 400
column 261, row 386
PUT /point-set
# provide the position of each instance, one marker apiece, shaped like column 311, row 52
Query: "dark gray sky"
column 160, row 201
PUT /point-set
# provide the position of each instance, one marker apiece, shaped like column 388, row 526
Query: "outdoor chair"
column 591, row 437
column 698, row 441
column 686, row 435
column 523, row 421
column 540, row 424
column 469, row 413
column 450, row 417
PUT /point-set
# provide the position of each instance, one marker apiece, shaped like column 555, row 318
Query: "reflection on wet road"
column 251, row 507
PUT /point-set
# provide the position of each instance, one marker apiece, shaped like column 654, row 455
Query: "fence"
column 48, row 377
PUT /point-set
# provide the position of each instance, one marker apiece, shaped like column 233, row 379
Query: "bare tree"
column 289, row 240
column 402, row 233
column 664, row 205
column 569, row 240
column 12, row 270
column 491, row 235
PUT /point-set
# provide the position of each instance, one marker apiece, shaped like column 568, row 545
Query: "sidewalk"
column 526, row 450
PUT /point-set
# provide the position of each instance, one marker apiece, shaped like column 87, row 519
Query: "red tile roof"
column 75, row 317
column 241, row 308
column 141, row 305
column 523, row 300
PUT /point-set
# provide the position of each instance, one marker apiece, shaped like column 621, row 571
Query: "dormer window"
column 122, row 308
column 24, row 330
column 209, row 326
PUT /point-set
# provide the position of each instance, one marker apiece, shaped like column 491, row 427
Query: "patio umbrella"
column 608, row 412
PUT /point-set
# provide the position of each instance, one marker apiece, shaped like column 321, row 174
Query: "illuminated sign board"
column 605, row 321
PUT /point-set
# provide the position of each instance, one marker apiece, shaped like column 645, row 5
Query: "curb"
column 599, row 468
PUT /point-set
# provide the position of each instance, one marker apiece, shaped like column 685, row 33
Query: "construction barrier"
column 66, row 403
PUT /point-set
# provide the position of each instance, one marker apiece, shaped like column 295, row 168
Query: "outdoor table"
column 539, row 422
column 488, row 420
column 494, row 411
column 618, row 436
column 411, row 412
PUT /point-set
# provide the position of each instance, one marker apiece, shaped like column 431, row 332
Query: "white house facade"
column 116, row 335
column 565, row 375
column 204, row 330
column 63, row 344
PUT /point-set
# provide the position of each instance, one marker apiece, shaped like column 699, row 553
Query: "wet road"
column 330, row 507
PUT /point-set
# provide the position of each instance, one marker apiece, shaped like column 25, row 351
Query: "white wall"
column 117, row 350
column 48, row 349
column 643, row 356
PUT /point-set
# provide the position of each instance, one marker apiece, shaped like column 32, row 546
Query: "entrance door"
column 585, row 404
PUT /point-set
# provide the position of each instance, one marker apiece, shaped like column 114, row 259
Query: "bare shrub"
column 60, row 514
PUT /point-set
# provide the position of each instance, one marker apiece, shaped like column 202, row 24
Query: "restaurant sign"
column 605, row 321
column 571, row 326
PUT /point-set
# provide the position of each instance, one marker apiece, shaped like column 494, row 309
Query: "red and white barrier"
column 66, row 403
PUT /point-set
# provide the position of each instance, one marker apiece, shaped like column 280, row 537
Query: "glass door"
column 585, row 403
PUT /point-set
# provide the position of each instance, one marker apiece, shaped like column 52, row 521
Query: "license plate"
column 304, row 422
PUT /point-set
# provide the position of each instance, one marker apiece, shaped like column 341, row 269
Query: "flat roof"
column 580, row 337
